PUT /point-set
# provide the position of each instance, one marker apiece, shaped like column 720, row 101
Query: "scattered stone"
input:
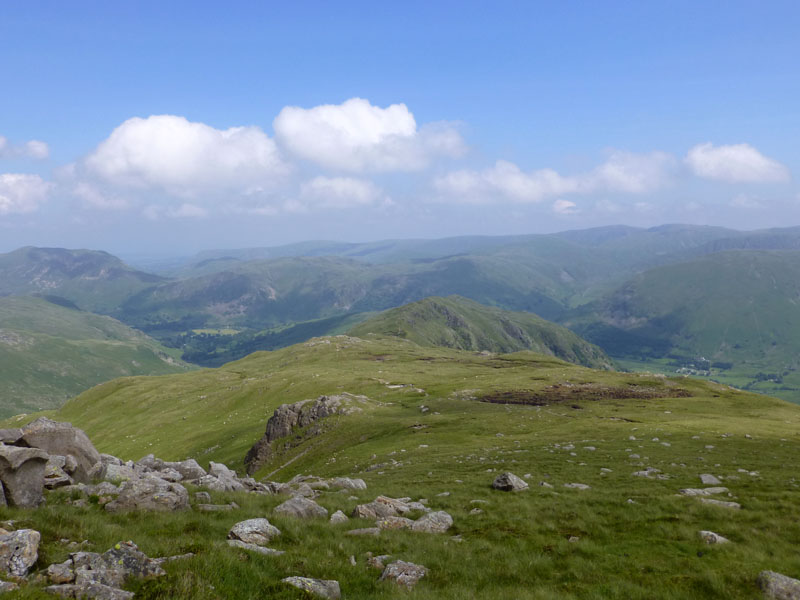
column 324, row 588
column 703, row 491
column 779, row 587
column 404, row 573
column 734, row 505
column 8, row 586
column 225, row 476
column 19, row 551
column 508, row 482
column 574, row 538
column 189, row 469
column 394, row 523
column 476, row 511
column 649, row 472
column 443, row 495
column 352, row 560
column 255, row 548
column 708, row 479
column 382, row 506
column 545, row 484
column 150, row 493
column 377, row 562
column 254, row 531
column 709, row 537
column 339, row 517
column 301, row 507
column 577, row 486
column 202, row 497
column 61, row 572
column 216, row 507
column 347, row 484
column 433, row 522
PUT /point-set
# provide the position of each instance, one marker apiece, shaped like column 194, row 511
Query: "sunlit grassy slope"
column 49, row 353
column 636, row 538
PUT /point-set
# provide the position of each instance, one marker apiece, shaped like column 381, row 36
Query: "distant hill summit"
column 92, row 280
column 456, row 322
column 50, row 353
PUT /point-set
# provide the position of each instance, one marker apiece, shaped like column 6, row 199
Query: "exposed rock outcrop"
column 19, row 551
column 22, row 474
column 62, row 439
column 290, row 417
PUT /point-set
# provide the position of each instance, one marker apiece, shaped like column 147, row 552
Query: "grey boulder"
column 301, row 507
column 324, row 588
column 22, row 473
column 19, row 551
column 150, row 493
column 404, row 573
column 508, row 482
column 254, row 531
column 65, row 440
column 777, row 586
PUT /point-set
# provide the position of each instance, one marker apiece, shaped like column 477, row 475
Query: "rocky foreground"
column 47, row 455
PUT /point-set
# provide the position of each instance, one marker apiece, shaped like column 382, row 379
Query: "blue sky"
column 168, row 127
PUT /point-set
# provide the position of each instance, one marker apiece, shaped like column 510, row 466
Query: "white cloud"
column 746, row 201
column 340, row 192
column 622, row 172
column 564, row 207
column 30, row 149
column 632, row 173
column 22, row 193
column 93, row 197
column 357, row 136
column 185, row 158
column 734, row 163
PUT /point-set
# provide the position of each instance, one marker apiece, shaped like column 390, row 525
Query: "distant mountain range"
column 705, row 301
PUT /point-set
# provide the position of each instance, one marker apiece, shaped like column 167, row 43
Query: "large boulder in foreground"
column 22, row 474
column 322, row 588
column 64, row 440
column 301, row 508
column 508, row 482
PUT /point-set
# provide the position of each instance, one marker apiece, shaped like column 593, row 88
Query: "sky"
column 165, row 128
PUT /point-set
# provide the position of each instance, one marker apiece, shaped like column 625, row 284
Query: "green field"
column 637, row 538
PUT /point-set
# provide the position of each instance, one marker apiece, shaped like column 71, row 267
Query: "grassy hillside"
column 731, row 315
column 94, row 281
column 432, row 425
column 50, row 353
column 455, row 322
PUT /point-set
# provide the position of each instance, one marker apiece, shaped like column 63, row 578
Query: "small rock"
column 202, row 497
column 255, row 548
column 404, row 573
column 722, row 503
column 302, row 508
column 577, row 486
column 339, row 517
column 433, row 522
column 508, row 482
column 394, row 523
column 709, row 537
column 93, row 590
column 254, row 531
column 708, row 479
column 324, row 588
column 545, row 484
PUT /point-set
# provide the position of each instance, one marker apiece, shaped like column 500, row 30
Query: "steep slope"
column 441, row 424
column 94, row 281
column 455, row 322
column 730, row 313
column 50, row 353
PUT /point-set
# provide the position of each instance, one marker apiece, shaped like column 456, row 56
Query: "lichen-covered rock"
column 150, row 493
column 508, row 482
column 19, row 551
column 346, row 483
column 65, row 440
column 302, row 508
column 59, row 573
column 254, row 531
column 324, row 588
column 380, row 508
column 189, row 469
column 433, row 522
column 225, row 476
column 55, row 475
column 22, row 474
column 8, row 586
column 777, row 586
column 404, row 573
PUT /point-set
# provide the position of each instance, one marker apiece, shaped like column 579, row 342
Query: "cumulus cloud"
column 736, row 163
column 94, row 197
column 357, row 136
column 30, row 149
column 185, row 158
column 340, row 192
column 622, row 172
column 22, row 193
